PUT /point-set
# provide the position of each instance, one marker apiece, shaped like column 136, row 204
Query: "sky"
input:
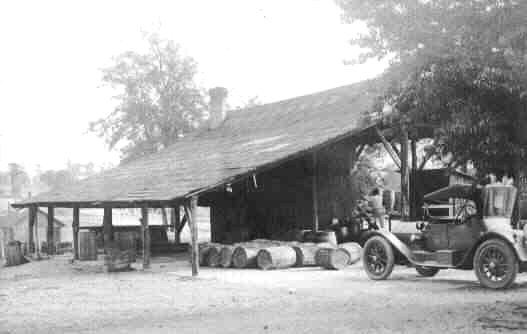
column 53, row 52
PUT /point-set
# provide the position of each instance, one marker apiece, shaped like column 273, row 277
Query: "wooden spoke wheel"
column 378, row 258
column 495, row 264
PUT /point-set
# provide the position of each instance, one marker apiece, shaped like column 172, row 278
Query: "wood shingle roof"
column 248, row 140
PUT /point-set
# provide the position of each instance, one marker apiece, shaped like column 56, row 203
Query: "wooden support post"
column 414, row 154
column 51, row 230
column 191, row 212
column 414, row 210
column 107, row 229
column 75, row 228
column 176, row 221
column 404, row 173
column 145, row 234
column 32, row 212
column 315, row 192
column 428, row 155
column 37, row 238
column 164, row 217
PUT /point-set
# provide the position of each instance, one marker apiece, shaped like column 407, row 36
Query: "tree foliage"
column 461, row 65
column 158, row 102
column 57, row 179
column 19, row 179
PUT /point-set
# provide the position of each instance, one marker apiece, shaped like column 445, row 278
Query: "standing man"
column 375, row 202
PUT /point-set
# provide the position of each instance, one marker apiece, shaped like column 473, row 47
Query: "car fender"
column 515, row 240
column 394, row 241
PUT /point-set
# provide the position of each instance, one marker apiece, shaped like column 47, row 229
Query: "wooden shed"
column 262, row 170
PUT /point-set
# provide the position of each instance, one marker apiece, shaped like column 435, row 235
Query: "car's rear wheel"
column 495, row 264
column 378, row 258
column 427, row 271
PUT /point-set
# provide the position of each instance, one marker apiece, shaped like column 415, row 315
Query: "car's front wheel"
column 495, row 264
column 378, row 258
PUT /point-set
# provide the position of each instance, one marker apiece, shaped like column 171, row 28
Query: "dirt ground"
column 56, row 296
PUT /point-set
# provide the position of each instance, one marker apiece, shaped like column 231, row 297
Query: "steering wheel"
column 463, row 213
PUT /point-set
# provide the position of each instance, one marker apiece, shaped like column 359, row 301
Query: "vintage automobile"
column 481, row 236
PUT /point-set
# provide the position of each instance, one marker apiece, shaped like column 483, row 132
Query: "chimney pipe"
column 217, row 110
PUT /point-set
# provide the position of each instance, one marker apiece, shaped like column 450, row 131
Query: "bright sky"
column 52, row 53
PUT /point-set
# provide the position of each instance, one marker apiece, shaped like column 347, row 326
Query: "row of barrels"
column 269, row 254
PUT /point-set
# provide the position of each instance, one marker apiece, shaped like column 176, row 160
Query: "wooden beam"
column 314, row 189
column 50, row 231
column 30, row 229
column 175, row 221
column 426, row 158
column 145, row 234
column 388, row 147
column 101, row 205
column 75, row 227
column 191, row 212
column 358, row 151
column 413, row 145
column 404, row 173
column 37, row 238
column 164, row 217
column 183, row 222
column 395, row 148
column 107, row 229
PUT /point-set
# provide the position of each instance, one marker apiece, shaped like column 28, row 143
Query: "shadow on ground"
column 504, row 316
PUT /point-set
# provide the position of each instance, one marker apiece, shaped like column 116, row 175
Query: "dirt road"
column 54, row 296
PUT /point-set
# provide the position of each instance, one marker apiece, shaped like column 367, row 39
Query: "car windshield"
column 498, row 201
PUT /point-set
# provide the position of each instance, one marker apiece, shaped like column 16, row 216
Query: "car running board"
column 447, row 258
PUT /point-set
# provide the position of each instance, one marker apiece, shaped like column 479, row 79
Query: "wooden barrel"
column 261, row 243
column 126, row 241
column 13, row 254
column 226, row 256
column 213, row 259
column 354, row 251
column 245, row 257
column 118, row 260
column 354, row 230
column 343, row 234
column 310, row 236
column 305, row 255
column 276, row 257
column 295, row 235
column 326, row 236
column 325, row 245
column 204, row 252
column 87, row 246
column 331, row 258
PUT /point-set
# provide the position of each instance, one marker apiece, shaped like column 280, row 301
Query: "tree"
column 57, row 179
column 73, row 172
column 158, row 100
column 461, row 65
column 19, row 179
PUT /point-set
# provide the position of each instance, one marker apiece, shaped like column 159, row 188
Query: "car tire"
column 426, row 271
column 378, row 258
column 495, row 264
